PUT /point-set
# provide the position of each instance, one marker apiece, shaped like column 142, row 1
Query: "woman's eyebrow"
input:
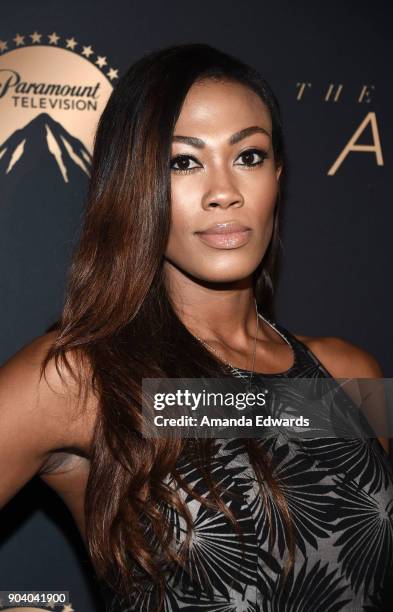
column 199, row 143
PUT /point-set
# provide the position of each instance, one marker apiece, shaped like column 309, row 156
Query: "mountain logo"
column 53, row 90
column 45, row 134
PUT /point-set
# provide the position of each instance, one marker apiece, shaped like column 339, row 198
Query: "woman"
column 174, row 277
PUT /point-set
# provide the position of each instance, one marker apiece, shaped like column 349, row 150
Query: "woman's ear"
column 278, row 171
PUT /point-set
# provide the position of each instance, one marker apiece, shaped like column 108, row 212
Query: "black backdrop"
column 329, row 64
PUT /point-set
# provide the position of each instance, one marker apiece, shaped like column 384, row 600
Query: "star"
column 3, row 45
column 19, row 40
column 101, row 61
column 87, row 51
column 68, row 608
column 113, row 74
column 53, row 38
column 71, row 43
column 35, row 37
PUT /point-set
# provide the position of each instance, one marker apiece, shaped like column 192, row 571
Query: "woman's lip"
column 228, row 227
column 225, row 241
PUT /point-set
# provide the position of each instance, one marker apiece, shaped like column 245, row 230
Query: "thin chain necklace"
column 254, row 351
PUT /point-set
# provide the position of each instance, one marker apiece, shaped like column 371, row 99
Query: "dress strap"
column 306, row 363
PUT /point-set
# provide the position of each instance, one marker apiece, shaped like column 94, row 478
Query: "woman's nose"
column 222, row 191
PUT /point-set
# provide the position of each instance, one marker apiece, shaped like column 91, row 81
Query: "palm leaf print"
column 216, row 562
column 356, row 459
column 315, row 589
column 308, row 494
column 365, row 524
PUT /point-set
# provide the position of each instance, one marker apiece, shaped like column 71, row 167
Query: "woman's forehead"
column 211, row 103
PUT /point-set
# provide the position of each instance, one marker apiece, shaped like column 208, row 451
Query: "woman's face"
column 222, row 170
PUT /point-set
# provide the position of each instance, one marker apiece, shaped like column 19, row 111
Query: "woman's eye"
column 252, row 157
column 183, row 163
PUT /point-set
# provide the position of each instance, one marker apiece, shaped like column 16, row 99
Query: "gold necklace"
column 254, row 351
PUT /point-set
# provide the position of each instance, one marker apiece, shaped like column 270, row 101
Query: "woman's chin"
column 224, row 276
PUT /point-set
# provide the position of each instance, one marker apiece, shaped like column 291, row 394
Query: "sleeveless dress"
column 340, row 496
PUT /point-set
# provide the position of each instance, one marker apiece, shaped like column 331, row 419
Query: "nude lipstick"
column 225, row 235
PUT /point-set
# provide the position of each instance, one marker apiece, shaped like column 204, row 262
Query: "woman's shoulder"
column 43, row 424
column 48, row 403
column 343, row 359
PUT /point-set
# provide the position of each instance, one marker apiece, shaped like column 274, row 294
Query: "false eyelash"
column 261, row 152
column 178, row 170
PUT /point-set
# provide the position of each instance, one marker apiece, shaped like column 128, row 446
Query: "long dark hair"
column 119, row 316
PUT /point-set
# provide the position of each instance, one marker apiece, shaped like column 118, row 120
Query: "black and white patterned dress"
column 340, row 495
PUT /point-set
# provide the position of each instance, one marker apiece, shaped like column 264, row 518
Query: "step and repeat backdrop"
column 59, row 62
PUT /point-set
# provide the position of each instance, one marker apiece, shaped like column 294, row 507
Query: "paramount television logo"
column 52, row 93
column 66, row 96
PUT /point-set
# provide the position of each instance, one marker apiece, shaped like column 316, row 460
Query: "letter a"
column 352, row 146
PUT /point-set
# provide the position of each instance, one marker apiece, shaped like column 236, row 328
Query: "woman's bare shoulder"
column 39, row 415
column 343, row 359
column 49, row 401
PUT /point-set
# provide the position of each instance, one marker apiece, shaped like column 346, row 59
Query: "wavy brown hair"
column 118, row 314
